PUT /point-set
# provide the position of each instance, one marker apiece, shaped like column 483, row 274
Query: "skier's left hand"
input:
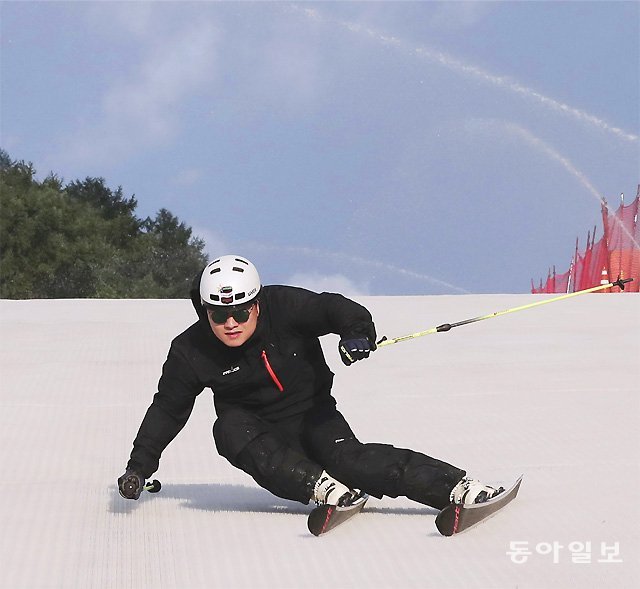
column 352, row 350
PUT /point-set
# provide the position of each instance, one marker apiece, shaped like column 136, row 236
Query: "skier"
column 257, row 348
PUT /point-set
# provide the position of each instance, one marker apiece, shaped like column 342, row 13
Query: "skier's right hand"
column 130, row 484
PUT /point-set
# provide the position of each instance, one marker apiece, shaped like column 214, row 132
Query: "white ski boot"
column 469, row 491
column 329, row 491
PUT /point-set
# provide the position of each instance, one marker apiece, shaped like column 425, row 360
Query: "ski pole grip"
column 153, row 487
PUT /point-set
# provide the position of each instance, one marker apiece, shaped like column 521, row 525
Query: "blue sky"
column 366, row 147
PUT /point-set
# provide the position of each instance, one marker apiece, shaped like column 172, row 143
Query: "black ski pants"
column 287, row 457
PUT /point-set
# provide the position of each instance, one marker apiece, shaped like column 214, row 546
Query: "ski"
column 326, row 517
column 455, row 518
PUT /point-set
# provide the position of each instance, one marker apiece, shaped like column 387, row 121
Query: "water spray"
column 568, row 165
column 342, row 257
column 471, row 72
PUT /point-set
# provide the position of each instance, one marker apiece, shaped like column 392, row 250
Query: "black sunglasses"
column 219, row 315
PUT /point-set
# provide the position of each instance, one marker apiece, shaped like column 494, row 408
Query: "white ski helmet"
column 229, row 280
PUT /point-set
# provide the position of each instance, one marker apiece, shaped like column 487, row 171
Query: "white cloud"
column 133, row 18
column 327, row 283
column 188, row 177
column 142, row 108
column 289, row 73
column 215, row 245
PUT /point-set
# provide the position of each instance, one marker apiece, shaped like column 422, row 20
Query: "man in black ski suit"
column 257, row 348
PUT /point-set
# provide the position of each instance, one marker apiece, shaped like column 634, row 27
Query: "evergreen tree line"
column 83, row 240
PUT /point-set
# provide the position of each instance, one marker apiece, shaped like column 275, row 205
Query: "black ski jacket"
column 278, row 373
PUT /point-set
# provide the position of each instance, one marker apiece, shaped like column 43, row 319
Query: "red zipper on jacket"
column 272, row 374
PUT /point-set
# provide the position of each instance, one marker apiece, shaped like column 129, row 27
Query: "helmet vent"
column 236, row 269
column 215, row 270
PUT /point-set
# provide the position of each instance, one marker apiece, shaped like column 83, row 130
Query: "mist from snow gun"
column 471, row 71
column 341, row 257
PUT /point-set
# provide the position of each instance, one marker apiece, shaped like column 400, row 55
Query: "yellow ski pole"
column 447, row 326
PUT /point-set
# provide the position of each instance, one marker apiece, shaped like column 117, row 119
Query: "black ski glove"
column 130, row 484
column 352, row 350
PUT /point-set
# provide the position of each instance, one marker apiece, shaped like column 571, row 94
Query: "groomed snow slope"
column 552, row 392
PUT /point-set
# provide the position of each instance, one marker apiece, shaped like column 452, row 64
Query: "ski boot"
column 329, row 491
column 469, row 491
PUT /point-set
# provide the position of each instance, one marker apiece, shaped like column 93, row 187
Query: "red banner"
column 616, row 254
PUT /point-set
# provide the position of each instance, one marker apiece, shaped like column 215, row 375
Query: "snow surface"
column 551, row 392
